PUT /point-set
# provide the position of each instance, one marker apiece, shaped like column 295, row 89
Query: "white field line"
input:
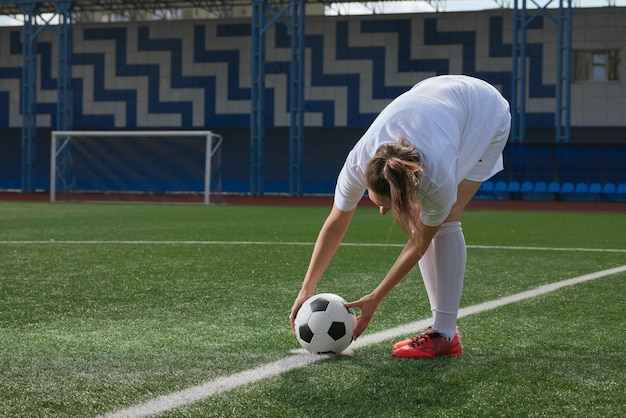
column 288, row 243
column 301, row 359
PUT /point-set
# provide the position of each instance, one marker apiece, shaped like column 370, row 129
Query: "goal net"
column 136, row 165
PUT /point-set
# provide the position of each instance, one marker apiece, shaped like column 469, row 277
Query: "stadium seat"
column 485, row 191
column 594, row 192
column 580, row 191
column 487, row 186
column 595, row 188
column 527, row 187
column 539, row 191
column 541, row 187
column 526, row 190
column 513, row 187
column 567, row 187
column 500, row 186
column 567, row 191
column 608, row 192
column 620, row 192
column 499, row 190
column 581, row 188
column 609, row 188
column 554, row 187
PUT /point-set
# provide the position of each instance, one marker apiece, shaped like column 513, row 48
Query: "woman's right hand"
column 302, row 296
column 327, row 242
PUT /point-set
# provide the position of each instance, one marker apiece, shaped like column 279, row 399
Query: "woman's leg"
column 449, row 260
column 429, row 276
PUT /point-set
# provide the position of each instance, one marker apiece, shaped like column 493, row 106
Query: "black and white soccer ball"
column 324, row 325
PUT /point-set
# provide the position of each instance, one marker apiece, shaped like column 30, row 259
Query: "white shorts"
column 491, row 163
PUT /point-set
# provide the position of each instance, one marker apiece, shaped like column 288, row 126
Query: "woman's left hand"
column 367, row 305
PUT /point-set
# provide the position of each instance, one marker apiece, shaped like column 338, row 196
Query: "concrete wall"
column 196, row 74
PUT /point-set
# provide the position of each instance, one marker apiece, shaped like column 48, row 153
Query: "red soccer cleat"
column 417, row 337
column 430, row 344
column 404, row 342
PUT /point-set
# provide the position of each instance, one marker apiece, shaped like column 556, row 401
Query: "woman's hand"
column 367, row 305
column 302, row 296
column 327, row 242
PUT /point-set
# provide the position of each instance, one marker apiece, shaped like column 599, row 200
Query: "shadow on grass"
column 370, row 383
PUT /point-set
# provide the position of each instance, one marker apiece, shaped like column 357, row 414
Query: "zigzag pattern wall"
column 196, row 74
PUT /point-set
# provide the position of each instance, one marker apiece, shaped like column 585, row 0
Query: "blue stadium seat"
column 487, row 186
column 513, row 187
column 499, row 190
column 527, row 191
column 595, row 191
column 609, row 188
column 581, row 188
column 567, row 191
column 541, row 187
column 485, row 191
column 546, row 191
column 554, row 187
column 620, row 192
column 527, row 187
column 500, row 186
column 540, row 191
column 595, row 188
column 567, row 187
column 580, row 191
column 608, row 191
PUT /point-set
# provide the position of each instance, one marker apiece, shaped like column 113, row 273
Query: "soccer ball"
column 324, row 325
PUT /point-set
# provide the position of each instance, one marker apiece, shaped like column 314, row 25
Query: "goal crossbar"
column 57, row 147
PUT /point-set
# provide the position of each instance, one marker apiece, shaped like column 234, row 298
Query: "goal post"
column 122, row 163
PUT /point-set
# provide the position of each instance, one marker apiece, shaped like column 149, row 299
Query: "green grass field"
column 106, row 306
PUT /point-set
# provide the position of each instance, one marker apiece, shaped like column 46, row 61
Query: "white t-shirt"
column 452, row 121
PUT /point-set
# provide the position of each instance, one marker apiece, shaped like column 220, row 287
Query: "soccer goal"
column 135, row 165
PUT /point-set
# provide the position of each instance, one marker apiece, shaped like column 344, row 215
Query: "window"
column 600, row 65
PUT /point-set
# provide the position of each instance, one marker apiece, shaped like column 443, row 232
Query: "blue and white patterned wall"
column 196, row 74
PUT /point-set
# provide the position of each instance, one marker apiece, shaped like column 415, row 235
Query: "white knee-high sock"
column 429, row 275
column 450, row 260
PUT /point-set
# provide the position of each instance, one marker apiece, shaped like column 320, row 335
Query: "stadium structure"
column 290, row 89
